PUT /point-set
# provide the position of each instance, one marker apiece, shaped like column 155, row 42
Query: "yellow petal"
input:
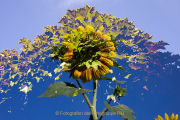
column 89, row 74
column 159, row 117
column 69, row 52
column 76, row 74
column 176, row 117
column 113, row 54
column 104, row 67
column 98, row 73
column 93, row 74
column 87, row 77
column 172, row 116
column 110, row 43
column 83, row 77
column 155, row 118
column 101, row 71
column 109, row 48
column 106, row 61
column 106, row 37
column 166, row 117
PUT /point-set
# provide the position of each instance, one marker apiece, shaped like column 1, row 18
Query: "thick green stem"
column 92, row 108
column 94, row 99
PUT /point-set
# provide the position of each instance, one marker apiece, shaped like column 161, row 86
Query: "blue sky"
column 159, row 18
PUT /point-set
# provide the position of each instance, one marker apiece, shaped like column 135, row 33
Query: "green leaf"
column 71, row 45
column 124, row 111
column 118, row 66
column 96, row 54
column 62, row 88
column 79, row 49
column 82, row 35
column 95, row 64
column 76, row 44
column 108, row 78
column 89, row 64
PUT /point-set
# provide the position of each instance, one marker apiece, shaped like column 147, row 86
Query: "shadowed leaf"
column 63, row 88
column 124, row 111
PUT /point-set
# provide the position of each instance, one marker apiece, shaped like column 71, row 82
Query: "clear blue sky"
column 159, row 18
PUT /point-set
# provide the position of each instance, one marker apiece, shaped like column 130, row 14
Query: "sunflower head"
column 167, row 117
column 90, row 54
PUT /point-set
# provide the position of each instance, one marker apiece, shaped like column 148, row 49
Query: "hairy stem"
column 94, row 99
column 85, row 97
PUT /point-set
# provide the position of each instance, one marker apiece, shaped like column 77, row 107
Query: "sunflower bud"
column 106, row 37
column 90, row 28
column 81, row 28
column 73, row 31
column 98, row 33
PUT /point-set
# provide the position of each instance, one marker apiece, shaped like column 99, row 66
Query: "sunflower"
column 167, row 117
column 92, row 57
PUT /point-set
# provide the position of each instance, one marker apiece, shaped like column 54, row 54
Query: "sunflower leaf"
column 95, row 64
column 118, row 66
column 63, row 88
column 111, row 79
column 71, row 45
column 124, row 111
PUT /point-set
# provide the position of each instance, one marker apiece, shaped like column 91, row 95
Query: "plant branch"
column 85, row 96
column 105, row 109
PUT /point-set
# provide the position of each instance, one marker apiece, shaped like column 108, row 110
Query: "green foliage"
column 119, row 91
column 124, row 111
column 63, row 88
column 94, row 64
